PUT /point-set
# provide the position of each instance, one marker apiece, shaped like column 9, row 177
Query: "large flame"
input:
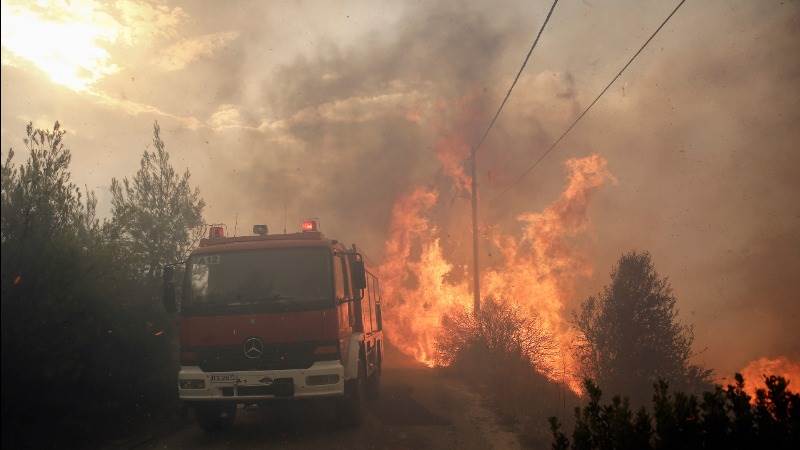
column 537, row 272
column 755, row 371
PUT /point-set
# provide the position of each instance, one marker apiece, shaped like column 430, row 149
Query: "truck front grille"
column 275, row 357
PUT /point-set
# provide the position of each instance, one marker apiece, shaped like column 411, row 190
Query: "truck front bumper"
column 323, row 378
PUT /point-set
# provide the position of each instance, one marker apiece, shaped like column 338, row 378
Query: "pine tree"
column 157, row 214
column 631, row 336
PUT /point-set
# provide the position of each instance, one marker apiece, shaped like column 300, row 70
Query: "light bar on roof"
column 309, row 225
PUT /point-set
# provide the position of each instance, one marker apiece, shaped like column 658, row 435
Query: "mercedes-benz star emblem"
column 253, row 348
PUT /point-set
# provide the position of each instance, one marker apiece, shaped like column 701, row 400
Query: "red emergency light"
column 216, row 232
column 309, row 225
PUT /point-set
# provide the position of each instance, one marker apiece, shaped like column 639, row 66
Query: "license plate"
column 227, row 378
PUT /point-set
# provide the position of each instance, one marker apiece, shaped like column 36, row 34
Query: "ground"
column 419, row 409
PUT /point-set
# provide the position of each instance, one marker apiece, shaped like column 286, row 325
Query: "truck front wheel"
column 374, row 385
column 215, row 417
column 350, row 408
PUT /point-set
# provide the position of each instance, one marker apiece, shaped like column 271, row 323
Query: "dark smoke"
column 700, row 137
column 701, row 134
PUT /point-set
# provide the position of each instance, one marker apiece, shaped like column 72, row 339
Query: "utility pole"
column 476, row 282
column 284, row 211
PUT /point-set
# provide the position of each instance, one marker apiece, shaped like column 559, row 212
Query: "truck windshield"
column 261, row 280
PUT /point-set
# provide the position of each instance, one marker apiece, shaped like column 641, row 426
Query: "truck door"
column 344, row 307
column 369, row 299
column 358, row 304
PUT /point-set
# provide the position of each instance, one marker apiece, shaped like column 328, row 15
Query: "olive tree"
column 156, row 214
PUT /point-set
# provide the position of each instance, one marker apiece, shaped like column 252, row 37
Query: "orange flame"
column 755, row 371
column 537, row 273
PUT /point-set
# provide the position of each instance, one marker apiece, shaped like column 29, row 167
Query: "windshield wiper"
column 278, row 298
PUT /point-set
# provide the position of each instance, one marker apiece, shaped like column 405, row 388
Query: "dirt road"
column 418, row 409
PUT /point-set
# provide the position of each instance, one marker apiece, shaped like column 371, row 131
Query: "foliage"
column 630, row 335
column 39, row 197
column 85, row 343
column 157, row 214
column 722, row 418
column 501, row 352
column 500, row 330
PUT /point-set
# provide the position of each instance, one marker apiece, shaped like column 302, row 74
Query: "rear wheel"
column 215, row 417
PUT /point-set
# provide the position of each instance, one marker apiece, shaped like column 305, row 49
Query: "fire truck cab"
column 284, row 316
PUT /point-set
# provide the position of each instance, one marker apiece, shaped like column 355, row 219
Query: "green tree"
column 52, row 257
column 157, row 214
column 40, row 205
column 84, row 343
column 721, row 418
column 630, row 335
column 38, row 197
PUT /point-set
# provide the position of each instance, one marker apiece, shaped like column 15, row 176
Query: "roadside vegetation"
column 87, row 350
column 501, row 351
column 724, row 418
column 629, row 340
column 630, row 336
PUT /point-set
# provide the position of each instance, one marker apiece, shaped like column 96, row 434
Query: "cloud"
column 145, row 22
column 358, row 109
column 135, row 108
column 179, row 55
column 226, row 116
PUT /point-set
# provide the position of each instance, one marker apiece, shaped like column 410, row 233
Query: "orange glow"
column 65, row 40
column 539, row 267
column 452, row 147
column 755, row 371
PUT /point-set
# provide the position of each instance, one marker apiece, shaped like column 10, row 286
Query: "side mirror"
column 168, row 296
column 359, row 274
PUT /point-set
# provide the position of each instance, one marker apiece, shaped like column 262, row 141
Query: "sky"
column 289, row 110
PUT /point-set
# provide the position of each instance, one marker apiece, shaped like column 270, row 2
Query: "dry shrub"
column 498, row 331
column 503, row 351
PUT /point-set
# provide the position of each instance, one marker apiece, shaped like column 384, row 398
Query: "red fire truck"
column 281, row 316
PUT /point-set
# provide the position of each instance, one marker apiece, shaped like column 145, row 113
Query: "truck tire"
column 374, row 386
column 216, row 417
column 350, row 408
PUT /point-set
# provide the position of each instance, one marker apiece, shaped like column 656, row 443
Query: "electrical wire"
column 516, row 78
column 586, row 110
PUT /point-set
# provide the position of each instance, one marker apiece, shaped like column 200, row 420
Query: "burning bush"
column 535, row 266
column 499, row 332
column 508, row 354
column 723, row 418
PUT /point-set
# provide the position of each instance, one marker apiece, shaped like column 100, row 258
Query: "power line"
column 476, row 281
column 516, row 78
column 586, row 110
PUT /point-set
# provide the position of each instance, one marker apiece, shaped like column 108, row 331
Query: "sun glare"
column 63, row 40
